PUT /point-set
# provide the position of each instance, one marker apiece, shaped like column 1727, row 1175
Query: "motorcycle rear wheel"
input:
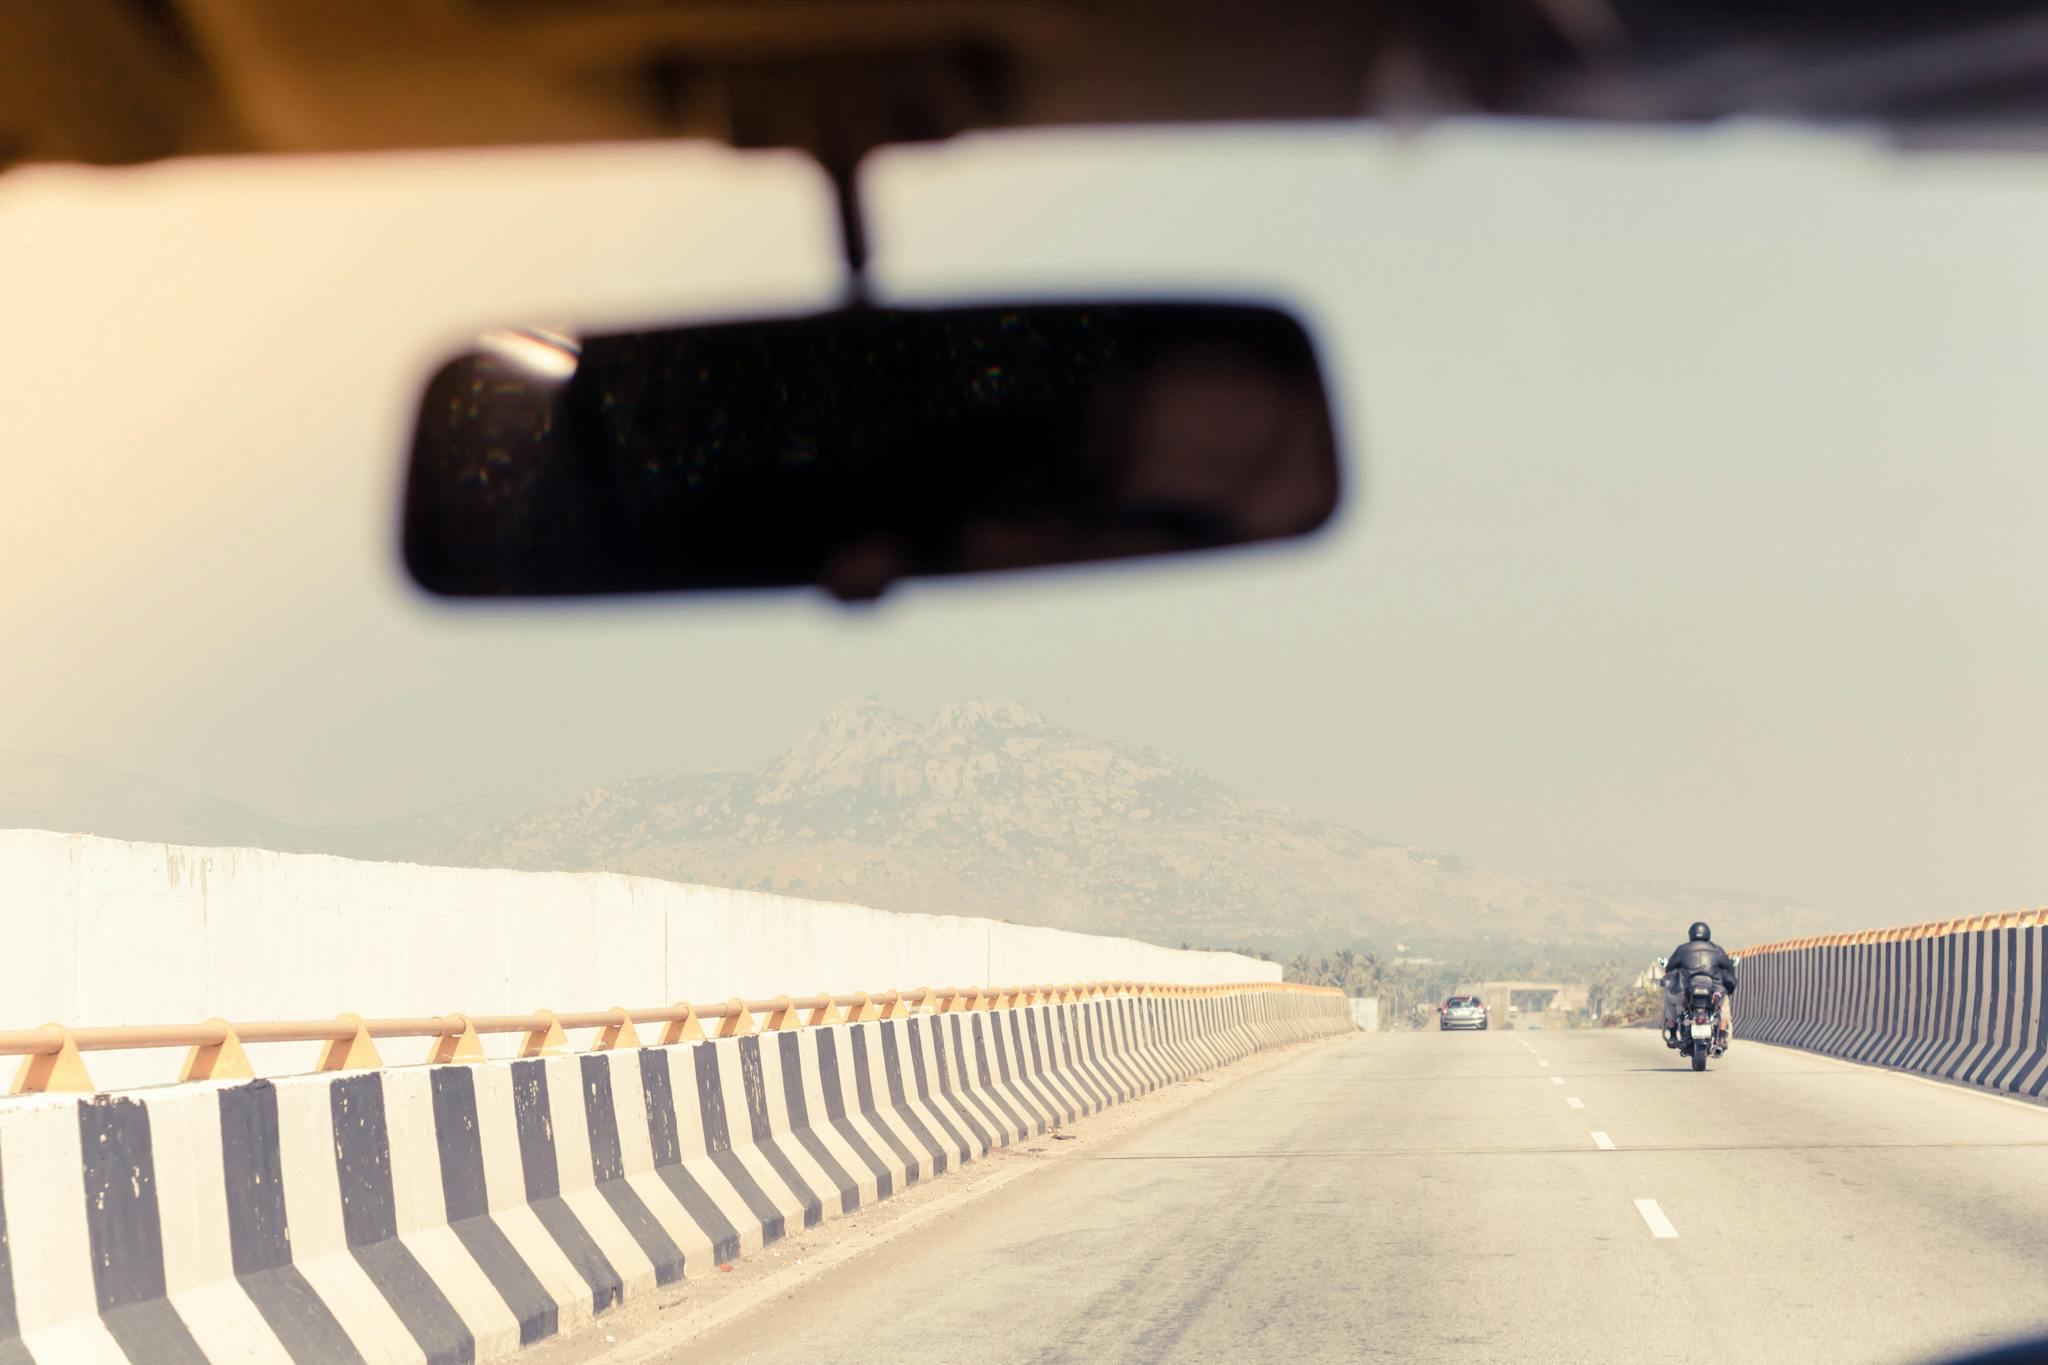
column 1699, row 1057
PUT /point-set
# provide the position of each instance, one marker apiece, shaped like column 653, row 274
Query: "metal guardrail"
column 53, row 1061
column 2010, row 919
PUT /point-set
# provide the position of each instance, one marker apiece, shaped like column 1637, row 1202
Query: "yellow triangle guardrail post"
column 456, row 1045
column 217, row 1049
column 545, row 1039
column 618, row 1034
column 221, row 1061
column 61, row 1071
column 739, row 1023
column 353, row 1053
column 685, row 1029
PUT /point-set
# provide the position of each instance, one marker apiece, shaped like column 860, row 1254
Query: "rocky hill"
column 991, row 809
column 986, row 809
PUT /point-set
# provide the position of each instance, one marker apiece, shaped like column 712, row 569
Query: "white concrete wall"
column 102, row 931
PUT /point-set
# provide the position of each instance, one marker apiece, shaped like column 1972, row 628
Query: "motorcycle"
column 1699, row 1034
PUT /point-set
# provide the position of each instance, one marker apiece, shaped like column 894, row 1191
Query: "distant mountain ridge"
column 41, row 791
column 990, row 809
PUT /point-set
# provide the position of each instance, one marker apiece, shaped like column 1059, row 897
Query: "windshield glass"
column 1682, row 468
column 1691, row 567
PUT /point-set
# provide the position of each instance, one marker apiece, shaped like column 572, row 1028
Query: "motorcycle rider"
column 1698, row 954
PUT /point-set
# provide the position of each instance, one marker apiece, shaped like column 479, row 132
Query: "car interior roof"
column 838, row 77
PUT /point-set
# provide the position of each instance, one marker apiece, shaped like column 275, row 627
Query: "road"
column 1474, row 1197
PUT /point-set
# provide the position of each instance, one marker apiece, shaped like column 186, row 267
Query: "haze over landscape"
column 987, row 808
column 1675, row 554
column 1600, row 872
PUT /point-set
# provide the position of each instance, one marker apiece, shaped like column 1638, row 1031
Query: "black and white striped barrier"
column 1964, row 1000
column 457, row 1213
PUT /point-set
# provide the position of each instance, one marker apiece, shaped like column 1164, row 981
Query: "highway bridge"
column 1567, row 1196
column 1217, row 1169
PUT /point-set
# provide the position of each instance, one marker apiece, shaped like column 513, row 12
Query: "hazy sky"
column 1698, row 522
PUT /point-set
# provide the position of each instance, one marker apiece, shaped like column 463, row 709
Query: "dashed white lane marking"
column 1660, row 1226
column 1557, row 1080
column 1574, row 1101
column 1541, row 1062
column 1603, row 1142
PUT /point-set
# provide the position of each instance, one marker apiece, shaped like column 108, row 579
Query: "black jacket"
column 1701, row 956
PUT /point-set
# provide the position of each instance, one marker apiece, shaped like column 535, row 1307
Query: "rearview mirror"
column 853, row 448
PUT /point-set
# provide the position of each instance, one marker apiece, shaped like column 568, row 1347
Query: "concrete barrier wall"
column 458, row 1213
column 1963, row 1000
column 102, row 932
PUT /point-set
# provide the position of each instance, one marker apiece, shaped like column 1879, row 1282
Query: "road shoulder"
column 712, row 1298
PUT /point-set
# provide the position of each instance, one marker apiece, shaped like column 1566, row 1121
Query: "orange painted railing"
column 2010, row 919
column 52, row 1060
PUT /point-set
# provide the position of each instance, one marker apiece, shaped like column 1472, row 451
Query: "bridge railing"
column 1960, row 999
column 2010, row 919
column 465, row 1212
column 52, row 1056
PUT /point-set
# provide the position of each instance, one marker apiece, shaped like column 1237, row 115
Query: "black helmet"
column 1699, row 933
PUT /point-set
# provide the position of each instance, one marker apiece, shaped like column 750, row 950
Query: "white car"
column 1461, row 1011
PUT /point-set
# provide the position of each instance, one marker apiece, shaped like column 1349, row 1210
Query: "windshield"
column 1691, row 567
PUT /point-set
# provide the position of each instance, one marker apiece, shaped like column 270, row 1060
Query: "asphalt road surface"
column 1476, row 1197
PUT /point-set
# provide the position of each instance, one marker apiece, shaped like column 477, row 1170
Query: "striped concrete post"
column 459, row 1212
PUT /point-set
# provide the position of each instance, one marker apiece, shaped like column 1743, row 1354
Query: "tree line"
column 1401, row 984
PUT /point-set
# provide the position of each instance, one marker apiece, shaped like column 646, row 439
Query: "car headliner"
column 121, row 81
